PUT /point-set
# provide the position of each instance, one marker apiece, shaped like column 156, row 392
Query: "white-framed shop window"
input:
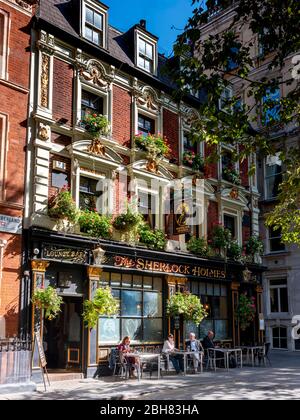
column 4, row 31
column 146, row 53
column 94, row 23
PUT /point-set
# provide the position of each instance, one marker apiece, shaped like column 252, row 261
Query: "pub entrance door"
column 63, row 337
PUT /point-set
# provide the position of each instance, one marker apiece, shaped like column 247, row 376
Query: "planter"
column 129, row 237
column 65, row 226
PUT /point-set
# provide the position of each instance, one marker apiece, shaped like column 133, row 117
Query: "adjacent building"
column 15, row 18
column 281, row 285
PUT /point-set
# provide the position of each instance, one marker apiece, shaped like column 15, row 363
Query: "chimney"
column 143, row 23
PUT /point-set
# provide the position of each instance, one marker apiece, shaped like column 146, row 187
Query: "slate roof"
column 63, row 15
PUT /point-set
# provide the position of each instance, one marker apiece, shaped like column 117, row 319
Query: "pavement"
column 279, row 382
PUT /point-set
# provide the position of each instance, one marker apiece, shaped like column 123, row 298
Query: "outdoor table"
column 227, row 353
column 144, row 357
column 252, row 350
column 185, row 355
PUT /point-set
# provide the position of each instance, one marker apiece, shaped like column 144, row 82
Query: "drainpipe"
column 3, row 243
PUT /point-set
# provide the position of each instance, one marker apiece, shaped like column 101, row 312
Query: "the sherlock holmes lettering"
column 161, row 267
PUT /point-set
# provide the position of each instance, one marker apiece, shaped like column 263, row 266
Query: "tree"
column 209, row 63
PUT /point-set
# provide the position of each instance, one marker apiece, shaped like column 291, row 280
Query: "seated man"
column 194, row 346
column 208, row 343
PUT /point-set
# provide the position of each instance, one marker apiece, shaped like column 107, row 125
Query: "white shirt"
column 168, row 347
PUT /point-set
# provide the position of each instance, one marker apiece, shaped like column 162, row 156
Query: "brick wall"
column 121, row 116
column 246, row 226
column 211, row 169
column 212, row 217
column 244, row 170
column 171, row 131
column 63, row 91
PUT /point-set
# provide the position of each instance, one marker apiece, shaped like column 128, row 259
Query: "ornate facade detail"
column 44, row 132
column 190, row 117
column 95, row 72
column 96, row 148
column 45, row 80
column 39, row 265
column 148, row 98
column 46, row 43
column 24, row 4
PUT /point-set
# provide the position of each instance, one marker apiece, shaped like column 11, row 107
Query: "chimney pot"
column 143, row 23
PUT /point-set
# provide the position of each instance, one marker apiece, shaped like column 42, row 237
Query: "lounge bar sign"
column 167, row 268
column 70, row 255
column 10, row 224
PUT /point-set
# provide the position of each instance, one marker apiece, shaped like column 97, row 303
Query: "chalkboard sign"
column 41, row 349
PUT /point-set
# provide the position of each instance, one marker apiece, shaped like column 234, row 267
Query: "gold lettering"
column 140, row 264
column 175, row 268
column 149, row 265
column 156, row 266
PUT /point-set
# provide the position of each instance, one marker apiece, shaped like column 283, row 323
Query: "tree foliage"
column 208, row 63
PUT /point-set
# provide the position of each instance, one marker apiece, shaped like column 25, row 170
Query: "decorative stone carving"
column 44, row 132
column 45, row 80
column 247, row 275
column 39, row 265
column 152, row 166
column 149, row 99
column 99, row 256
column 24, row 4
column 96, row 148
column 234, row 194
column 190, row 117
column 95, row 73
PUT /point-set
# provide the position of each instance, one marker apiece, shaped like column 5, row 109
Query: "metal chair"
column 263, row 355
column 121, row 366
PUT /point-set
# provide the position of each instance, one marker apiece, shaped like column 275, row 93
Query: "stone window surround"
column 97, row 8
column 142, row 36
column 5, row 46
column 238, row 215
column 268, row 296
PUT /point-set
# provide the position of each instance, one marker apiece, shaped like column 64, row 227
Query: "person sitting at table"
column 194, row 346
column 176, row 359
column 208, row 343
column 133, row 362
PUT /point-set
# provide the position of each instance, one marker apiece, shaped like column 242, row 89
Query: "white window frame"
column 97, row 92
column 141, row 36
column 226, row 89
column 98, row 177
column 238, row 222
column 269, row 244
column 274, row 160
column 3, row 152
column 287, row 336
column 158, row 204
column 6, row 27
column 150, row 115
column 278, row 293
column 100, row 10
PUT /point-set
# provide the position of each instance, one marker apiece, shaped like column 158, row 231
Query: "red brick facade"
column 63, row 91
column 14, row 106
column 171, row 131
column 212, row 217
column 122, row 116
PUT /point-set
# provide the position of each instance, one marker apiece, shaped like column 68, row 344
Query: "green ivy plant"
column 103, row 304
column 231, row 175
column 155, row 145
column 48, row 300
column 199, row 246
column 187, row 305
column 245, row 311
column 195, row 161
column 254, row 246
column 95, row 124
column 62, row 206
column 221, row 238
column 154, row 239
column 127, row 221
column 234, row 251
column 93, row 224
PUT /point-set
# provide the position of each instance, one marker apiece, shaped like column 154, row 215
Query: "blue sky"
column 161, row 15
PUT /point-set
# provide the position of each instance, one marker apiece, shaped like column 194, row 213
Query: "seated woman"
column 176, row 359
column 124, row 348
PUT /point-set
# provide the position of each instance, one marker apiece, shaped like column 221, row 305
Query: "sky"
column 161, row 15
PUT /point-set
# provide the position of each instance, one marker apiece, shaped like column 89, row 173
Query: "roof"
column 63, row 15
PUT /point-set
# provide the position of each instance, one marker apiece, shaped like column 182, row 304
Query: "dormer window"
column 94, row 23
column 146, row 56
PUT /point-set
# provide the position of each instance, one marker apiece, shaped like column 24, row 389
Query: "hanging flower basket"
column 194, row 161
column 49, row 301
column 186, row 305
column 246, row 311
column 95, row 124
column 103, row 304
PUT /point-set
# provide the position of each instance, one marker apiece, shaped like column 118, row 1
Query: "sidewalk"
column 282, row 381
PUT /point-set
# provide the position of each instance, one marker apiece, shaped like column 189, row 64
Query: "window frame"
column 237, row 214
column 99, row 10
column 149, row 118
column 6, row 30
column 278, row 288
column 101, row 93
column 97, row 177
column 230, row 90
column 280, row 337
column 272, row 239
column 267, row 197
column 143, row 37
column 158, row 204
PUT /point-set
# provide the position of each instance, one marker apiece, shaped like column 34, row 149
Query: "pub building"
column 80, row 64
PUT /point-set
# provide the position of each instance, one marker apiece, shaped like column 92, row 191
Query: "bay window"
column 141, row 309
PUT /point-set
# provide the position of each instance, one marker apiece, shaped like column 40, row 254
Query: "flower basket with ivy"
column 186, row 305
column 48, row 300
column 231, row 175
column 221, row 239
column 127, row 221
column 153, row 239
column 234, row 251
column 62, row 206
column 103, row 304
column 194, row 161
column 254, row 247
column 199, row 246
column 246, row 311
column 95, row 124
column 156, row 146
column 95, row 225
